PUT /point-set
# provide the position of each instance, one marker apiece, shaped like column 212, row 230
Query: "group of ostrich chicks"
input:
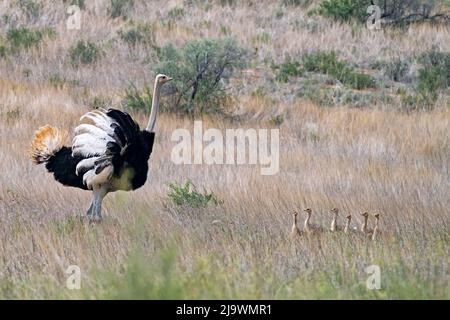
column 311, row 229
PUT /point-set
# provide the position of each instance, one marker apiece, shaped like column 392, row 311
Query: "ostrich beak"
column 169, row 79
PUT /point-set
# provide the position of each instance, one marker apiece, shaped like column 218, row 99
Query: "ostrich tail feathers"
column 47, row 141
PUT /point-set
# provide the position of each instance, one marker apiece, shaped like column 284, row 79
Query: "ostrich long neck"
column 333, row 222
column 307, row 221
column 364, row 225
column 347, row 225
column 294, row 226
column 375, row 229
column 155, row 106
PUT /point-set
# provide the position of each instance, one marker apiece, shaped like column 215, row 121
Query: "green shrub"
column 397, row 69
column 187, row 195
column 199, row 70
column 344, row 10
column 434, row 77
column 136, row 100
column 120, row 8
column 318, row 91
column 176, row 13
column 141, row 33
column 288, row 69
column 25, row 38
column 327, row 63
column 84, row 52
column 394, row 12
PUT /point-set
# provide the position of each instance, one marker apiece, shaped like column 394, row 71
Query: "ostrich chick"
column 295, row 231
column 334, row 226
column 364, row 228
column 308, row 226
column 376, row 231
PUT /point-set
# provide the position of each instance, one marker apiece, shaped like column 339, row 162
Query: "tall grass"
column 375, row 159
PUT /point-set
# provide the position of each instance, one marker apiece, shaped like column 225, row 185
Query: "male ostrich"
column 109, row 155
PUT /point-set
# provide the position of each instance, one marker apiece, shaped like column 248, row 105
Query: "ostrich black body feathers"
column 126, row 151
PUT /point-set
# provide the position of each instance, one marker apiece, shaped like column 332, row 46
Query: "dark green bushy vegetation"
column 24, row 38
column 434, row 78
column 199, row 70
column 344, row 10
column 327, row 63
column 139, row 34
column 289, row 68
column 397, row 12
column 136, row 100
column 84, row 52
column 120, row 8
column 188, row 195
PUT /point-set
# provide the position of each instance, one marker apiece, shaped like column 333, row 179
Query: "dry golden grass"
column 356, row 160
column 352, row 159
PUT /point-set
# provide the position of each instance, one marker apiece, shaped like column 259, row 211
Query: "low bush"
column 25, row 38
column 84, row 52
column 327, row 63
column 288, row 69
column 136, row 100
column 141, row 33
column 187, row 195
column 199, row 70
column 120, row 8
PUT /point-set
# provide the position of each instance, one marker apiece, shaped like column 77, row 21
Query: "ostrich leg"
column 89, row 211
column 99, row 194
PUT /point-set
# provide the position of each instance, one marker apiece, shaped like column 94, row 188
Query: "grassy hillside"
column 364, row 119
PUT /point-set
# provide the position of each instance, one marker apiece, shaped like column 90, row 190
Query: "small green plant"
column 120, row 8
column 199, row 70
column 25, row 38
column 288, row 69
column 187, row 195
column 397, row 69
column 327, row 63
column 141, row 33
column 84, row 52
column 434, row 77
column 344, row 10
column 176, row 13
column 136, row 100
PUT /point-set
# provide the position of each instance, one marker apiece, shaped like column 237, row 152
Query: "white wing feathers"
column 91, row 142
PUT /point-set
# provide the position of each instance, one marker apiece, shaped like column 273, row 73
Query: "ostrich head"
column 308, row 210
column 295, row 213
column 365, row 214
column 349, row 217
column 162, row 78
column 335, row 210
column 376, row 215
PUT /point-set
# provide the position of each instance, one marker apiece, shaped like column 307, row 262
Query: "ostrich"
column 364, row 229
column 309, row 227
column 109, row 155
column 347, row 228
column 334, row 227
column 376, row 231
column 295, row 231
